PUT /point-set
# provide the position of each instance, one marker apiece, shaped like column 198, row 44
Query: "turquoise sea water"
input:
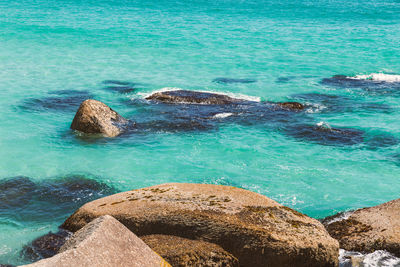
column 288, row 47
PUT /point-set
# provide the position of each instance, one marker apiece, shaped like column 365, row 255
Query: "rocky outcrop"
column 194, row 97
column 182, row 252
column 253, row 228
column 103, row 242
column 45, row 246
column 295, row 106
column 368, row 229
column 95, row 117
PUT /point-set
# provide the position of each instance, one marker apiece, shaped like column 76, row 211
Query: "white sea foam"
column 381, row 77
column 222, row 115
column 315, row 108
column 379, row 258
column 341, row 217
column 233, row 95
column 323, row 124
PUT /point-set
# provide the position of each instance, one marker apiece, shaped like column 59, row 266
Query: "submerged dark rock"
column 62, row 100
column 325, row 135
column 340, row 103
column 121, row 86
column 285, row 79
column 194, row 97
column 368, row 85
column 95, row 117
column 23, row 199
column 45, row 246
column 233, row 80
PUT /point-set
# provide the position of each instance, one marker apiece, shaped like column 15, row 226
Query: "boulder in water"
column 253, row 228
column 95, row 117
column 368, row 229
column 193, row 97
column 295, row 106
column 45, row 246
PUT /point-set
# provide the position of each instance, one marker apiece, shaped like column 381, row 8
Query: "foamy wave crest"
column 324, row 125
column 233, row 95
column 379, row 258
column 380, row 77
column 315, row 108
column 222, row 115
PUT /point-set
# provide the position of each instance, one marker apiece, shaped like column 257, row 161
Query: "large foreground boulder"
column 368, row 229
column 95, row 117
column 253, row 228
column 103, row 242
column 182, row 252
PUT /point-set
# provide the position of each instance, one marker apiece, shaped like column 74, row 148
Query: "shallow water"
column 54, row 54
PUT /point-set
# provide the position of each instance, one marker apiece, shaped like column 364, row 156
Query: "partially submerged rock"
column 253, row 228
column 182, row 252
column 291, row 105
column 324, row 134
column 103, row 242
column 369, row 229
column 95, row 117
column 57, row 101
column 194, row 97
column 45, row 246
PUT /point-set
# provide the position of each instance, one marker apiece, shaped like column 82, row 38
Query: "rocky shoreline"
column 214, row 225
column 211, row 225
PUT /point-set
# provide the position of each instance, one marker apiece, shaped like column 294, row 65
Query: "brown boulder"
column 95, row 117
column 368, row 229
column 255, row 229
column 103, row 242
column 181, row 252
column 291, row 105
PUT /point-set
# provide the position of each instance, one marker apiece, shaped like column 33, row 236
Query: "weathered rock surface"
column 369, row 229
column 194, row 97
column 182, row 252
column 103, row 242
column 255, row 229
column 95, row 117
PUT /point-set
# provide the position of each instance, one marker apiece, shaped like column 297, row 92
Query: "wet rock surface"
column 103, row 242
column 369, row 229
column 95, row 117
column 181, row 252
column 256, row 230
column 194, row 97
column 45, row 246
column 57, row 101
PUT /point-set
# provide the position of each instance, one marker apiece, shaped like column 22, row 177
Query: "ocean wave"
column 230, row 94
column 379, row 77
column 378, row 258
column 222, row 115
